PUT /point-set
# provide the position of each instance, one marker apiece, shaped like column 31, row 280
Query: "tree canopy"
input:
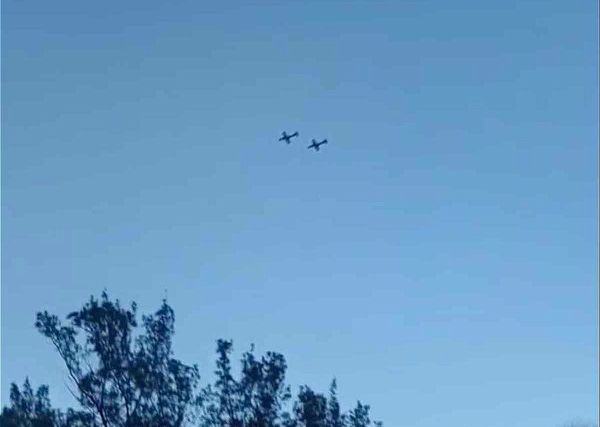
column 123, row 374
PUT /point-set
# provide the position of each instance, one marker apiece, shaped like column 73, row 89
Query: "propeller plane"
column 316, row 144
column 288, row 138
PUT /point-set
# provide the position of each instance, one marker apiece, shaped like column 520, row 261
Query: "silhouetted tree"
column 359, row 416
column 124, row 375
column 310, row 409
column 29, row 409
column 123, row 381
column 258, row 398
column 334, row 415
column 254, row 400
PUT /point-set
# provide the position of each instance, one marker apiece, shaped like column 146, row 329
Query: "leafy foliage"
column 124, row 375
column 256, row 399
column 122, row 380
column 29, row 409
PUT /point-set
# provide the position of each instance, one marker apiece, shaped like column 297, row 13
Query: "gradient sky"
column 439, row 256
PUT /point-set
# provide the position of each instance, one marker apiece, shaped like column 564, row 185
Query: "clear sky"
column 439, row 256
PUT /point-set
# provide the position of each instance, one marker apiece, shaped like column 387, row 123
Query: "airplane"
column 316, row 144
column 287, row 138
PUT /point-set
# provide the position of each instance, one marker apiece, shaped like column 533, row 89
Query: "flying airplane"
column 287, row 138
column 316, row 144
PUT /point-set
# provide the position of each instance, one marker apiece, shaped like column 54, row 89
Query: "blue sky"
column 439, row 256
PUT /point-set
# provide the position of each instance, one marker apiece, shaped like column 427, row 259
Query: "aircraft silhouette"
column 287, row 138
column 316, row 144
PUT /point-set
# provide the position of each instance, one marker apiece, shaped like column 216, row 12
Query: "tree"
column 310, row 409
column 334, row 415
column 120, row 380
column 29, row 409
column 123, row 374
column 254, row 400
